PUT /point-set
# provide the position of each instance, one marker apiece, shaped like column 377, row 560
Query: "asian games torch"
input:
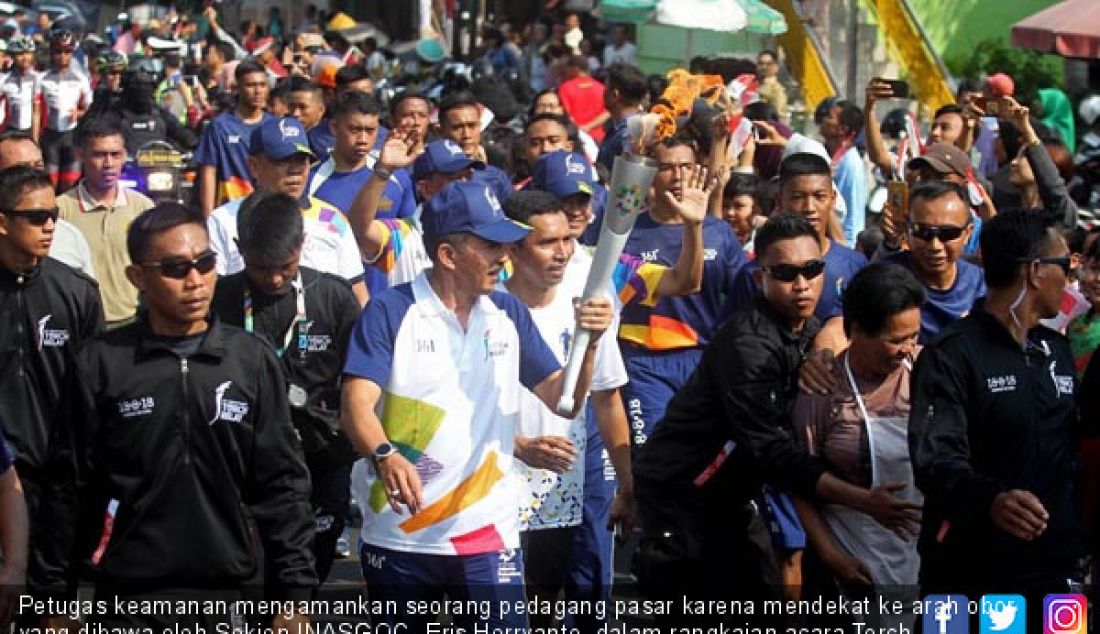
column 631, row 177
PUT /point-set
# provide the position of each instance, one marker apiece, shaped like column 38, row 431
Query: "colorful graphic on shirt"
column 468, row 492
column 661, row 333
column 410, row 425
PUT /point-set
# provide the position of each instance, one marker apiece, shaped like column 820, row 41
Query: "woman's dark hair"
column 269, row 227
column 539, row 95
column 781, row 227
column 878, row 292
column 1011, row 238
column 157, row 220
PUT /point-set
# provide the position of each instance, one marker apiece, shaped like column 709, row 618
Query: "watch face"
column 383, row 450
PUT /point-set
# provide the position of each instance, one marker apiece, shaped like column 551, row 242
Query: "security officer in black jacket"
column 728, row 431
column 47, row 310
column 306, row 316
column 181, row 436
column 145, row 121
column 992, row 424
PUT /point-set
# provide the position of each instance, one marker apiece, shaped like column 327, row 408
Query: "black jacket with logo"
column 45, row 314
column 742, row 391
column 195, row 451
column 988, row 417
column 331, row 311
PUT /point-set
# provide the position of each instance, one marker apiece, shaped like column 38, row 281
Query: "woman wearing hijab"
column 1058, row 114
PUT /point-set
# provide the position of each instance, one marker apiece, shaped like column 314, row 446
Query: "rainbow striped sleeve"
column 396, row 230
column 636, row 280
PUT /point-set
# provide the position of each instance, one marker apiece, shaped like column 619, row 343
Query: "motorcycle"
column 161, row 172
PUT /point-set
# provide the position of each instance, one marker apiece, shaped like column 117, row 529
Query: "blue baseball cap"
column 563, row 173
column 279, row 138
column 445, row 157
column 470, row 207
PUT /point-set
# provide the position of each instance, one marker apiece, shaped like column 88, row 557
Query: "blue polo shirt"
column 224, row 144
column 943, row 307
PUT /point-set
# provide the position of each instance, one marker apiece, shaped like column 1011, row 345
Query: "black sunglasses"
column 1066, row 262
column 179, row 269
column 946, row 233
column 37, row 217
column 788, row 272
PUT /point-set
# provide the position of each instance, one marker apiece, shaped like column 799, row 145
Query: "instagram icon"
column 1065, row 614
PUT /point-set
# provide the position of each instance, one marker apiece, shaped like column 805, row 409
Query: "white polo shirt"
column 329, row 247
column 451, row 403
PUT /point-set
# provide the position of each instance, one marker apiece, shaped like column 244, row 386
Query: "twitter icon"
column 1003, row 614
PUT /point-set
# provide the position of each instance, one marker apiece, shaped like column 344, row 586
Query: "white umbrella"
column 712, row 15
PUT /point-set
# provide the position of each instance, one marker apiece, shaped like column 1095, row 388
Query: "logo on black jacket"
column 227, row 409
column 51, row 337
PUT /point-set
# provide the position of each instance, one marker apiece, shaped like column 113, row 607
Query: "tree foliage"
column 1029, row 70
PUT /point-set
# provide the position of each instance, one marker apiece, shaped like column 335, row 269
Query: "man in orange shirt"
column 582, row 97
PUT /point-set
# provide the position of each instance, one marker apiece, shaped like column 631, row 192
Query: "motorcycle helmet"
column 111, row 59
column 62, row 40
column 21, row 44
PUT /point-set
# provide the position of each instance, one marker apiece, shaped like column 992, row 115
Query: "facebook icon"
column 945, row 614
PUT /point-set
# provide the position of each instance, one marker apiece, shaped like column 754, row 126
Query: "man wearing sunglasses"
column 728, row 431
column 182, row 435
column 938, row 230
column 47, row 310
column 806, row 189
column 992, row 427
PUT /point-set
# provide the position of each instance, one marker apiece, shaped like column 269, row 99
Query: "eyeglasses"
column 945, row 233
column 179, row 269
column 1067, row 262
column 37, row 217
column 788, row 272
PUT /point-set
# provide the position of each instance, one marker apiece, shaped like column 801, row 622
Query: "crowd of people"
column 850, row 361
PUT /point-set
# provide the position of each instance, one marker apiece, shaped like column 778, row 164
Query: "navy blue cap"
column 444, row 157
column 470, row 207
column 562, row 173
column 279, row 138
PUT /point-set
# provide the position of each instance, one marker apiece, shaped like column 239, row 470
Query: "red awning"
column 1070, row 29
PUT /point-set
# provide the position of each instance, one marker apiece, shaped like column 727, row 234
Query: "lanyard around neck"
column 299, row 316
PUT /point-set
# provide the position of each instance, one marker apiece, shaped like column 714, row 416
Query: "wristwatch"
column 381, row 452
column 383, row 173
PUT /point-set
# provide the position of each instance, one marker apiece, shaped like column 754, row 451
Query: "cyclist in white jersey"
column 66, row 95
column 20, row 87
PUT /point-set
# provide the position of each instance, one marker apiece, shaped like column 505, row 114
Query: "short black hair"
column 269, row 226
column 16, row 135
column 878, row 292
column 779, row 227
column 281, row 91
column 559, row 119
column 1011, row 238
column 767, row 51
column 402, row 97
column 629, row 81
column 743, row 185
column 19, row 180
column 355, row 102
column 803, row 164
column 951, row 108
column 457, row 99
column 304, row 84
column 850, row 116
column 157, row 220
column 90, row 128
column 678, row 139
column 350, row 74
column 248, row 67
column 521, row 205
column 934, row 190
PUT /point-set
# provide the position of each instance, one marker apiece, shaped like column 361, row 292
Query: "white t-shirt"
column 547, row 499
column 62, row 91
column 21, row 90
column 329, row 247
